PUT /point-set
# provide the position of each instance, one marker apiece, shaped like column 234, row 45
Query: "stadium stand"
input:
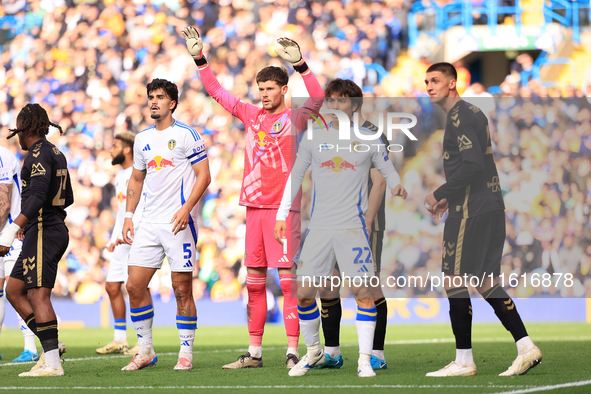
column 88, row 64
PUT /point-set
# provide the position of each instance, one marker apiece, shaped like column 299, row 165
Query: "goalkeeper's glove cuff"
column 200, row 61
column 300, row 66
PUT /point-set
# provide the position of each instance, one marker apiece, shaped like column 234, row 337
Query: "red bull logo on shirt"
column 159, row 163
column 121, row 197
column 338, row 164
column 264, row 139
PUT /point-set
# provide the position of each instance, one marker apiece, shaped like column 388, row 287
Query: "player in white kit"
column 170, row 156
column 337, row 230
column 10, row 207
column 121, row 154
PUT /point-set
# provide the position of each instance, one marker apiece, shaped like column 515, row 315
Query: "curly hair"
column 33, row 120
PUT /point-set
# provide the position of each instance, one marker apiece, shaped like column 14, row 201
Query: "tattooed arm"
column 5, row 201
column 134, row 193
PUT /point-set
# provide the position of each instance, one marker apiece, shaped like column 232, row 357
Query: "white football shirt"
column 121, row 182
column 167, row 156
column 339, row 174
column 10, row 173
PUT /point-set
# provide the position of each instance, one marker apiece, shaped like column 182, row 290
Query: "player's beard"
column 271, row 107
column 119, row 159
column 155, row 116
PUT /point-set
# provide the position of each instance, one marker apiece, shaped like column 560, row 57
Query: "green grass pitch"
column 411, row 351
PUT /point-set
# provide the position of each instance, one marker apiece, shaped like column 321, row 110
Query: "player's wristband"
column 301, row 67
column 201, row 61
column 8, row 235
column 128, row 215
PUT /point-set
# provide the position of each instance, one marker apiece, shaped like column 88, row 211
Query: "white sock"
column 363, row 357
column 143, row 329
column 332, row 351
column 314, row 350
column 524, row 345
column 294, row 351
column 464, row 357
column 255, row 351
column 30, row 343
column 52, row 358
column 379, row 354
column 311, row 331
column 187, row 338
column 365, row 333
column 2, row 308
column 310, row 324
column 120, row 335
column 142, row 319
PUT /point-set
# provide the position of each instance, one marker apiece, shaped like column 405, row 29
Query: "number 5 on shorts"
column 187, row 251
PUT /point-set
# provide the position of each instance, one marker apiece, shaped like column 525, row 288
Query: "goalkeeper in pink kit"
column 267, row 163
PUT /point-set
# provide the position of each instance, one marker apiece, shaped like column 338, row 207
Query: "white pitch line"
column 401, row 342
column 406, row 342
column 507, row 339
column 547, row 388
column 126, row 356
column 377, row 386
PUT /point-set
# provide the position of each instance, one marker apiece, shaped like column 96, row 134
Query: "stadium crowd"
column 88, row 64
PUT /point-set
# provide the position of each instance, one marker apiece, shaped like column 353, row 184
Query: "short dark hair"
column 273, row 73
column 345, row 88
column 34, row 120
column 170, row 88
column 445, row 68
column 127, row 138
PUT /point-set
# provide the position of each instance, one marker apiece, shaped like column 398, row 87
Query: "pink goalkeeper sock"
column 290, row 309
column 256, row 307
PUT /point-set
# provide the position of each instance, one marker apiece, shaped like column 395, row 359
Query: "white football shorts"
column 118, row 265
column 324, row 248
column 153, row 241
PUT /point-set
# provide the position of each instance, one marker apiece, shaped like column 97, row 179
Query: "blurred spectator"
column 464, row 77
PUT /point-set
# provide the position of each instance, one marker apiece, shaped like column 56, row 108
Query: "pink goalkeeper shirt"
column 268, row 158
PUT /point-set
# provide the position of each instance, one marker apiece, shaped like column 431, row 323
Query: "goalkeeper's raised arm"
column 290, row 51
column 285, row 48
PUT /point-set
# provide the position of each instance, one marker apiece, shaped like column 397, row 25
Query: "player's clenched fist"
column 399, row 190
column 193, row 41
column 288, row 50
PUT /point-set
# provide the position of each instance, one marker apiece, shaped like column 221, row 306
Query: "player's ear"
column 284, row 89
column 452, row 84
